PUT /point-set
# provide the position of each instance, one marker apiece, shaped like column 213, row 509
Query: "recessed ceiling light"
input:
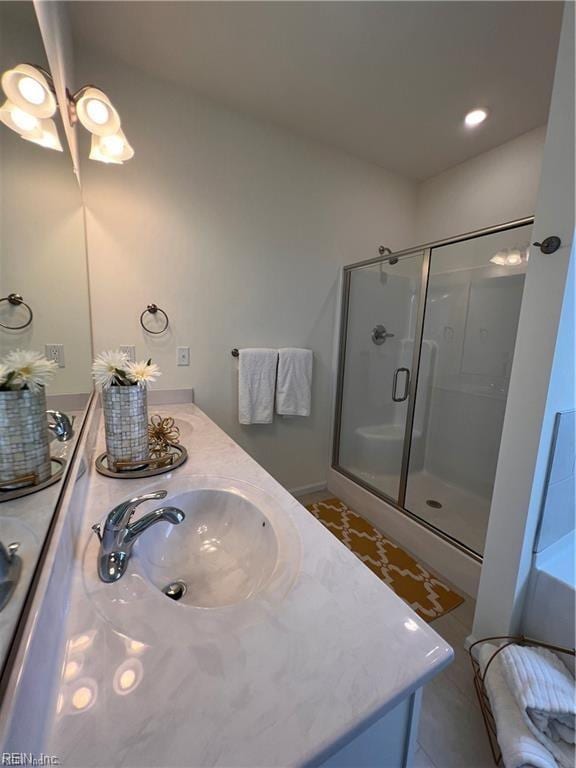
column 475, row 117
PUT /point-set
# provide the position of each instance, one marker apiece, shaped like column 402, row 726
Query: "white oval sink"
column 224, row 552
column 234, row 567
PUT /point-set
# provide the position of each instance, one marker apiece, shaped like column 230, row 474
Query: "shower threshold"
column 463, row 516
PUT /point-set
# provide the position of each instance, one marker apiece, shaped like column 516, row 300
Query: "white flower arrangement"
column 113, row 369
column 25, row 369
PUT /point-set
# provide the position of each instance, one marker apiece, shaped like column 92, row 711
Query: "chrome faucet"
column 61, row 425
column 117, row 535
column 10, row 568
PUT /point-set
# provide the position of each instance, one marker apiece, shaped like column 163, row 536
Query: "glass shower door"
column 475, row 289
column 376, row 381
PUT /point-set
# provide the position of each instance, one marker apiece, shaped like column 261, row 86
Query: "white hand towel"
column 520, row 748
column 545, row 692
column 256, row 381
column 294, row 385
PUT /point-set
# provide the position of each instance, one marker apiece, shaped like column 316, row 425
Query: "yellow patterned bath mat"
column 423, row 592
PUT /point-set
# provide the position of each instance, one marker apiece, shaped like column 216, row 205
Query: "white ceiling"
column 386, row 81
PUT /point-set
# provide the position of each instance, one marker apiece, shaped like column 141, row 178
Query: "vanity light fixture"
column 475, row 117
column 95, row 111
column 30, row 105
column 30, row 88
column 111, row 149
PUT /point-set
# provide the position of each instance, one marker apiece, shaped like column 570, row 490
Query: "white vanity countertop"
column 262, row 683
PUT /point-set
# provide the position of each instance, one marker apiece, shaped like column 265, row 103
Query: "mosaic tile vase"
column 24, row 438
column 125, row 424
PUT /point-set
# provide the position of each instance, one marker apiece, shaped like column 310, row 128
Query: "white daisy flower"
column 31, row 369
column 110, row 368
column 4, row 371
column 143, row 372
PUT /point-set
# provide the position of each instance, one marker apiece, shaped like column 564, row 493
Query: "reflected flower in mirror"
column 24, row 437
column 25, row 369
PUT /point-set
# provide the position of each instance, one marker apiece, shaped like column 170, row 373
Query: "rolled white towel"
column 545, row 693
column 520, row 749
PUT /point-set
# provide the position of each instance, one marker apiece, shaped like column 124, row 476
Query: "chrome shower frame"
column 425, row 251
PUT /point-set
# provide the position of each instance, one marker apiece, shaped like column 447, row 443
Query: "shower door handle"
column 397, row 372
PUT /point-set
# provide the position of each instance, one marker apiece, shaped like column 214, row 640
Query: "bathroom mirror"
column 45, row 309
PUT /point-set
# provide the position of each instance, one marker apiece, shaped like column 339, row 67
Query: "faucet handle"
column 121, row 514
column 61, row 424
column 97, row 528
column 7, row 553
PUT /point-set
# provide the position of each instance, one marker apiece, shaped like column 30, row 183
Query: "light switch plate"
column 55, row 352
column 183, row 355
column 130, row 352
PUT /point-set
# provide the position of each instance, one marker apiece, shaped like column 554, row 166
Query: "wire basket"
column 479, row 678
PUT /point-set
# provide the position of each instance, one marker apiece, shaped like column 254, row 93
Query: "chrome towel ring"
column 153, row 309
column 17, row 301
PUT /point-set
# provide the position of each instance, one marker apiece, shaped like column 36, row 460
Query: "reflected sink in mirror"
column 224, row 552
column 13, row 530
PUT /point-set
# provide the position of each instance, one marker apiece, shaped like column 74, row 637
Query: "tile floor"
column 451, row 731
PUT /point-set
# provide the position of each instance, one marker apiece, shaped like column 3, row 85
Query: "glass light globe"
column 31, row 90
column 97, row 111
column 23, row 120
column 114, row 144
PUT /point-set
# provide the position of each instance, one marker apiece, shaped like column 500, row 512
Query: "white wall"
column 492, row 188
column 237, row 229
column 542, row 380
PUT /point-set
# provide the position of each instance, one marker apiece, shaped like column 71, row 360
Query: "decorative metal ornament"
column 162, row 432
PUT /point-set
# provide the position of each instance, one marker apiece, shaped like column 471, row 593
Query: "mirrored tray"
column 174, row 457
column 9, row 492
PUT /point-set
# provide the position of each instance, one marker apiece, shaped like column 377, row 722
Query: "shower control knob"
column 380, row 334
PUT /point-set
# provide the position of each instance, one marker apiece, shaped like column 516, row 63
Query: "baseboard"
column 442, row 557
column 304, row 489
column 470, row 640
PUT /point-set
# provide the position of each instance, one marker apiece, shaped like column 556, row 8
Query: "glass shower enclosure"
column 426, row 349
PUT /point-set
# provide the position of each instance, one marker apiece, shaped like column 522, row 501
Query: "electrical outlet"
column 183, row 355
column 130, row 352
column 55, row 352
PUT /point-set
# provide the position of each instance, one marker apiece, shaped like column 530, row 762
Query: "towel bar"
column 154, row 309
column 17, row 301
